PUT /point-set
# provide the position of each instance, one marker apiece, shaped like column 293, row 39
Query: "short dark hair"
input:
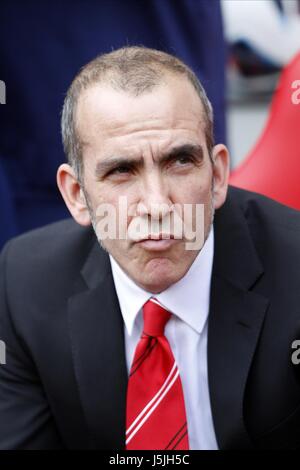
column 133, row 69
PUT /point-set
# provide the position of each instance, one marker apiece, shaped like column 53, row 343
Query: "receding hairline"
column 165, row 81
column 134, row 70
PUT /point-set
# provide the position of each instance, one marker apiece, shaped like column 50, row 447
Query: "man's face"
column 152, row 150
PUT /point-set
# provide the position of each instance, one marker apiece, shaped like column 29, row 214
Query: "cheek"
column 123, row 202
column 101, row 197
column 193, row 190
column 196, row 191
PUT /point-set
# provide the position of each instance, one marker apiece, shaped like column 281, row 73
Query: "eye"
column 121, row 169
column 182, row 160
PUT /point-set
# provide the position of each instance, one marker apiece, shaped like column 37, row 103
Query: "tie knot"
column 155, row 318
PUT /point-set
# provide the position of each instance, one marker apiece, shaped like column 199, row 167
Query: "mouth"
column 159, row 242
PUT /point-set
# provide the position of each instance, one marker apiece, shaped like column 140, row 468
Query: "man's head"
column 137, row 124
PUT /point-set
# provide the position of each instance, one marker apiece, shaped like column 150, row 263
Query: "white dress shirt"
column 186, row 331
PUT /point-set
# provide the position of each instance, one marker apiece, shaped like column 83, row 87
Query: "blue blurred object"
column 7, row 213
column 43, row 45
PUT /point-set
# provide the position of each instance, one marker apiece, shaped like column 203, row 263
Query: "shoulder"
column 51, row 255
column 273, row 227
column 259, row 209
column 43, row 243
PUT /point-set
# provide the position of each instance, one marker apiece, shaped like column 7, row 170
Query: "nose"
column 155, row 198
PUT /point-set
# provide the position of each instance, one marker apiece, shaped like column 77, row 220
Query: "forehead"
column 105, row 114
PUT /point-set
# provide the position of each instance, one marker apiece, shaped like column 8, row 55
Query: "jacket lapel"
column 235, row 320
column 96, row 330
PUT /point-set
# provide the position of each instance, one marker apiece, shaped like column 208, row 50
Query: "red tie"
column 155, row 414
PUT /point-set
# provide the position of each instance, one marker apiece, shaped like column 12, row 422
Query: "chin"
column 160, row 280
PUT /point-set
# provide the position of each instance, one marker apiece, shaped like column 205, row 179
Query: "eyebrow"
column 105, row 166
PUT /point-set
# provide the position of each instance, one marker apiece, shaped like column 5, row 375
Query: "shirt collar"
column 188, row 298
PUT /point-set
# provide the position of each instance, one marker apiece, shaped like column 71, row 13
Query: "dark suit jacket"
column 64, row 383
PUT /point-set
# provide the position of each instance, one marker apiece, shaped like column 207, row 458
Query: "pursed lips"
column 157, row 242
column 160, row 236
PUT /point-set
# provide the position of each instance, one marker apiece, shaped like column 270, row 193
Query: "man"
column 142, row 342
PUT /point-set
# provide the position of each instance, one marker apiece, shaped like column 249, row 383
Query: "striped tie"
column 155, row 411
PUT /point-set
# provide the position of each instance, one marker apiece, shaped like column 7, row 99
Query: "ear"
column 73, row 194
column 220, row 156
